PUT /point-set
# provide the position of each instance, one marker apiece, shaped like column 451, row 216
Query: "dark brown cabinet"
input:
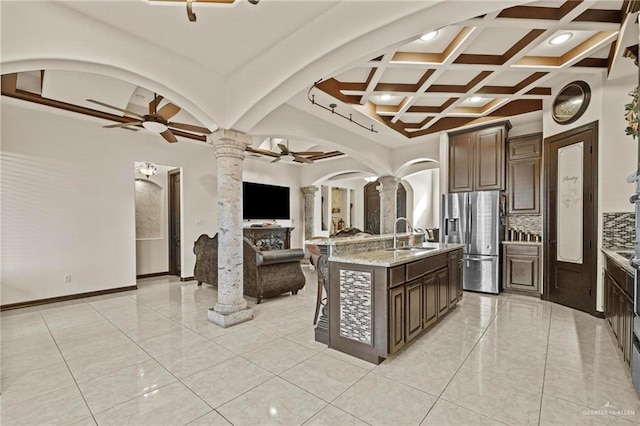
column 618, row 306
column 477, row 159
column 455, row 276
column 413, row 316
column 443, row 292
column 430, row 300
column 522, row 267
column 396, row 318
column 523, row 174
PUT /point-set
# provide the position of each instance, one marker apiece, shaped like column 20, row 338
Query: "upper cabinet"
column 477, row 159
column 523, row 180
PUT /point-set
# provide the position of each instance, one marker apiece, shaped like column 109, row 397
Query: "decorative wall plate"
column 571, row 102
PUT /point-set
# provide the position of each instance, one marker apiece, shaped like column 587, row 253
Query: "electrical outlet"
column 67, row 278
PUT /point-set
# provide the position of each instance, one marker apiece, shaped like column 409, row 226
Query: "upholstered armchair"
column 266, row 273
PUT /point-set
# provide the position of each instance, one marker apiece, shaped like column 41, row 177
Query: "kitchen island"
column 382, row 299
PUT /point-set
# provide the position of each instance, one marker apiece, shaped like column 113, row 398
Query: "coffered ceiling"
column 497, row 65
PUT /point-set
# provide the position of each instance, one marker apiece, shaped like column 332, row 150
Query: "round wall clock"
column 571, row 102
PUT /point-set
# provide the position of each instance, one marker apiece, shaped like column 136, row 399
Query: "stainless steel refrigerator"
column 476, row 219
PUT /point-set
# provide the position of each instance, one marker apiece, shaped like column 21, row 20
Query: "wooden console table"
column 269, row 237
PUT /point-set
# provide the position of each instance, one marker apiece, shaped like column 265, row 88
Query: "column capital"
column 229, row 143
column 309, row 190
column 389, row 182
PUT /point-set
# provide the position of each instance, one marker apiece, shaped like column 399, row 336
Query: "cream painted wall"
column 67, row 201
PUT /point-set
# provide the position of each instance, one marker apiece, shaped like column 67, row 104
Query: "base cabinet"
column 396, row 318
column 413, row 303
column 618, row 307
column 430, row 300
column 522, row 267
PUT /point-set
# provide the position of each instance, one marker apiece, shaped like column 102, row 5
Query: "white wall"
column 68, row 202
column 426, row 198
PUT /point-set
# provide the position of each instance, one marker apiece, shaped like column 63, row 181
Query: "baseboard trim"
column 522, row 292
column 65, row 298
column 598, row 314
column 183, row 279
column 155, row 274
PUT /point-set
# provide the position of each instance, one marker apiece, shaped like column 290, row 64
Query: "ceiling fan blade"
column 302, row 159
column 116, row 108
column 189, row 127
column 127, row 124
column 308, row 153
column 283, row 148
column 170, row 137
column 276, row 160
column 168, row 111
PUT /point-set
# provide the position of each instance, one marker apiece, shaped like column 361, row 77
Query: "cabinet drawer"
column 416, row 269
column 434, row 263
column 396, row 275
column 526, row 250
column 620, row 276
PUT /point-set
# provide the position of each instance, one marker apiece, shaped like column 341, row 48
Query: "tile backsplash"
column 618, row 230
column 531, row 224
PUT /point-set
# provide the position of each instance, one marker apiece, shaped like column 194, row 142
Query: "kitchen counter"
column 339, row 241
column 389, row 258
column 380, row 300
column 620, row 260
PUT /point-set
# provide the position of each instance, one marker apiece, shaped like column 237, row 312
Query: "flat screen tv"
column 260, row 201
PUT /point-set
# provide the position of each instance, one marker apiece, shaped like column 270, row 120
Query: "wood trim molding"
column 49, row 300
column 154, row 274
column 183, row 279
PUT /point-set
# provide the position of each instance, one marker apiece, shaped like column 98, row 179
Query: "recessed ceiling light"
column 429, row 36
column 385, row 97
column 475, row 99
column 139, row 95
column 560, row 38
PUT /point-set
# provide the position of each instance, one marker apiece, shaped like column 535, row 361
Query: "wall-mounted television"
column 260, row 201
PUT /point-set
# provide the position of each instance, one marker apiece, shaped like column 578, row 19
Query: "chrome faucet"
column 395, row 229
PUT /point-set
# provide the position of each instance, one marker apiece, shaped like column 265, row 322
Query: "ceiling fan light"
column 560, row 38
column 154, row 126
column 429, row 36
column 287, row 158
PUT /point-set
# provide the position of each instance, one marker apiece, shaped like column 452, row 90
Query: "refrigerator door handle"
column 469, row 226
column 478, row 259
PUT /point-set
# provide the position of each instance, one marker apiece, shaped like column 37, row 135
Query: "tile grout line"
column 69, row 369
column 546, row 358
column 465, row 360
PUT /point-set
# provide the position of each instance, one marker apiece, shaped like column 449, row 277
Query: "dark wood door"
column 430, row 300
column 571, row 217
column 401, row 207
column 461, row 162
column 443, row 291
column 371, row 208
column 489, row 159
column 413, row 295
column 174, row 222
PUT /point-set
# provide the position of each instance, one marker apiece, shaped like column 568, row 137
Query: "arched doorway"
column 372, row 207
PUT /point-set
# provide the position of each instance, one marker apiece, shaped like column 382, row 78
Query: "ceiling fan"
column 157, row 121
column 289, row 156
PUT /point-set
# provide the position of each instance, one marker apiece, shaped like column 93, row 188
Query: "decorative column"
column 231, row 308
column 388, row 199
column 309, row 193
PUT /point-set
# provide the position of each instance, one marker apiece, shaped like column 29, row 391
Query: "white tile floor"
column 150, row 357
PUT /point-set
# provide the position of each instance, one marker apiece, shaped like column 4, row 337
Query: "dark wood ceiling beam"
column 593, row 62
column 35, row 98
column 475, row 59
column 529, row 38
column 425, row 77
column 600, row 15
column 540, row 91
column 537, row 12
column 529, row 80
column 496, row 90
column 9, row 83
column 515, row 107
column 395, row 87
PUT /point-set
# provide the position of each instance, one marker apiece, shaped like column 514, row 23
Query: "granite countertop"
column 390, row 258
column 619, row 259
column 538, row 243
column 349, row 240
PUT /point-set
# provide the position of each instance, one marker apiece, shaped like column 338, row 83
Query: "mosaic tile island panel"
column 356, row 315
column 618, row 230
